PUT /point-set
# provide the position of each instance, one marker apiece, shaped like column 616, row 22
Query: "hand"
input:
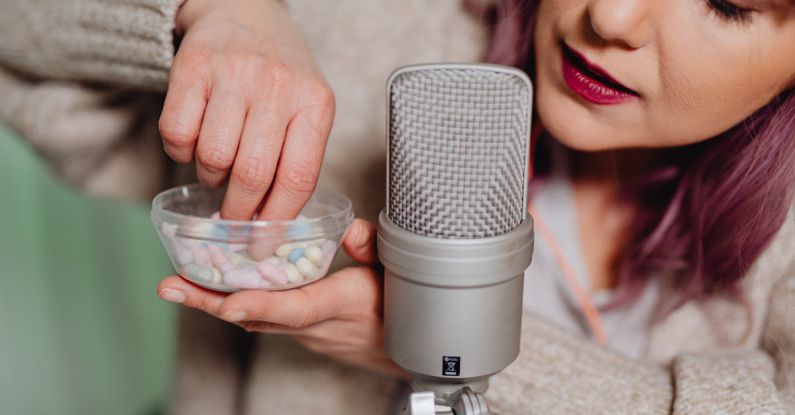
column 246, row 99
column 339, row 315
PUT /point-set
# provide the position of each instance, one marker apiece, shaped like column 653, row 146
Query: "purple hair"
column 704, row 216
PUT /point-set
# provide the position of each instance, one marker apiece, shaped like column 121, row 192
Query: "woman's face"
column 658, row 73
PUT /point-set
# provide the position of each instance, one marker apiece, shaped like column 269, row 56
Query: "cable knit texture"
column 69, row 68
column 123, row 42
column 731, row 383
column 98, row 138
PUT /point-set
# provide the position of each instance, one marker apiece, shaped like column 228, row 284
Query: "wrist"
column 192, row 10
column 188, row 13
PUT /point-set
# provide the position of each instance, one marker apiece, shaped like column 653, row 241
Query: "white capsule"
column 236, row 258
column 307, row 268
column 217, row 277
column 242, row 260
column 323, row 269
column 183, row 254
column 293, row 274
column 201, row 229
column 314, row 254
column 285, row 250
column 201, row 255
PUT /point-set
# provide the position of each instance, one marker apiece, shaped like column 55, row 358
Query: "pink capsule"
column 272, row 273
column 220, row 260
column 245, row 278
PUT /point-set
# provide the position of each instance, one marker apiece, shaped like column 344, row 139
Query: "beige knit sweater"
column 73, row 72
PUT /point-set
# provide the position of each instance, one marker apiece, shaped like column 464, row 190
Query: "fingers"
column 359, row 242
column 292, row 308
column 219, row 136
column 255, row 164
column 176, row 290
column 183, row 110
column 300, row 162
column 350, row 291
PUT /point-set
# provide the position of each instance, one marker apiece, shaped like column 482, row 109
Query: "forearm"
column 124, row 43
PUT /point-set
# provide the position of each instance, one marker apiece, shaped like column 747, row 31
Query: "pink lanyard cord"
column 589, row 310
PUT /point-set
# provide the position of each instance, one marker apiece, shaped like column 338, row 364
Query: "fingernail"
column 173, row 296
column 234, row 316
column 362, row 237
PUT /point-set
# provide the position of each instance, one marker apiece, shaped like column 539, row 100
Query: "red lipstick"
column 590, row 81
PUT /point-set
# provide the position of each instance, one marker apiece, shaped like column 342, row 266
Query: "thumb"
column 359, row 242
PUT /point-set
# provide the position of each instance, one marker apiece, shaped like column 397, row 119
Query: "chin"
column 577, row 127
column 572, row 128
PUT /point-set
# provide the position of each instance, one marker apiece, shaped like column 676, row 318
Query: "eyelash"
column 728, row 11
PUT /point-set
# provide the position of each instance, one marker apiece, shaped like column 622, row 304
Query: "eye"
column 729, row 11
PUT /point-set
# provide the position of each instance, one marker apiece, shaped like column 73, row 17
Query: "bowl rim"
column 345, row 213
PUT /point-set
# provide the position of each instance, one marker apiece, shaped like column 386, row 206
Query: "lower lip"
column 591, row 89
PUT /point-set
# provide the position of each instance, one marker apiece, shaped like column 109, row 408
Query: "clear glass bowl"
column 228, row 256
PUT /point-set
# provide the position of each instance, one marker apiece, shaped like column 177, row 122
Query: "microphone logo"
column 451, row 366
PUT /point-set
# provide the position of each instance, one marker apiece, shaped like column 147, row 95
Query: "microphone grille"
column 458, row 150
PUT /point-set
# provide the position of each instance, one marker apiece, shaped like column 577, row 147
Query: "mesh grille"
column 457, row 151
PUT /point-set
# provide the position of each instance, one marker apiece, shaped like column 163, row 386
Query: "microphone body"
column 455, row 237
column 453, row 309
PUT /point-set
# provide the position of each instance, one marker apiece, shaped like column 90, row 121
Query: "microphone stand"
column 464, row 401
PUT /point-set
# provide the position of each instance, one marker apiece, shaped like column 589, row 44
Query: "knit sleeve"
column 752, row 382
column 559, row 373
column 124, row 42
column 778, row 340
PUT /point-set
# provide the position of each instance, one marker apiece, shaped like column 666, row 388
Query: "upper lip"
column 593, row 70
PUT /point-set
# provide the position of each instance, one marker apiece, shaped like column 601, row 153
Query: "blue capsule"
column 295, row 255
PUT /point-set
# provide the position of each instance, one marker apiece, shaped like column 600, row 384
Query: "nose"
column 627, row 22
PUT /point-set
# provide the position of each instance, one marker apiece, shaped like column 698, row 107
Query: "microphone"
column 455, row 237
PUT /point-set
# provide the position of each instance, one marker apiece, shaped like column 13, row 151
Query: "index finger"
column 299, row 165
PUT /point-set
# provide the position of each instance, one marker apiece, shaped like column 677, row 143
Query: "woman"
column 76, row 77
column 723, row 336
column 668, row 141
